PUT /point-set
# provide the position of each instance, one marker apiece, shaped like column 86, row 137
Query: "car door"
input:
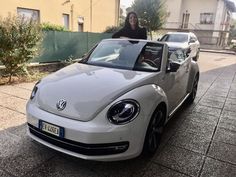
column 175, row 83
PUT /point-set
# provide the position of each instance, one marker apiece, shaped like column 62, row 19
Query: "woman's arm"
column 118, row 34
column 144, row 33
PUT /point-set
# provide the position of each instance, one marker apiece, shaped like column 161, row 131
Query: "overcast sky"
column 126, row 3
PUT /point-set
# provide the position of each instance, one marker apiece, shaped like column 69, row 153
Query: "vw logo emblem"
column 61, row 104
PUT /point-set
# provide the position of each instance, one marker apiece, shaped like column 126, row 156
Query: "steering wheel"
column 150, row 62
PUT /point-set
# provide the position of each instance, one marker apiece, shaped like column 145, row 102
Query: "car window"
column 150, row 57
column 127, row 54
column 175, row 38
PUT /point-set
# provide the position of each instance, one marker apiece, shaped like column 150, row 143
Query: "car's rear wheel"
column 193, row 93
column 154, row 132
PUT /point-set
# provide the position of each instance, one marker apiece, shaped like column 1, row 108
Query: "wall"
column 195, row 8
column 104, row 12
column 173, row 9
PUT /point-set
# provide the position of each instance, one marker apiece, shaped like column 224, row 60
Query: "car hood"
column 87, row 89
column 182, row 45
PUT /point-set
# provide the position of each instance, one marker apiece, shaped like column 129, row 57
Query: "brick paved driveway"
column 199, row 141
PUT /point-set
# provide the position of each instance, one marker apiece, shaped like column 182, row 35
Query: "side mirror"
column 191, row 41
column 173, row 66
column 174, row 60
column 158, row 39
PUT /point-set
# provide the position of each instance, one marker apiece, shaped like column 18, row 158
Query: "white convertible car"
column 114, row 103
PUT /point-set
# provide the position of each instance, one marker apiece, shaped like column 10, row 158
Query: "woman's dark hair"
column 127, row 24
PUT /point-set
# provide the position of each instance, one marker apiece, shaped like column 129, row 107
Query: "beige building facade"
column 75, row 15
column 209, row 19
column 199, row 14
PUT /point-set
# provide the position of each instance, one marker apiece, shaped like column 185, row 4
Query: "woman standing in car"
column 131, row 28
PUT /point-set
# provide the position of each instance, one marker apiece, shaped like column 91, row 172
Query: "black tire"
column 154, row 132
column 193, row 93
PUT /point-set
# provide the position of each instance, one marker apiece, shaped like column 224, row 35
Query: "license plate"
column 52, row 129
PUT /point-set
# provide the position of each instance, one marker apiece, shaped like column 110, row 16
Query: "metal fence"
column 59, row 46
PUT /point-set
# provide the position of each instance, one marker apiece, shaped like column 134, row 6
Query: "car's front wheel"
column 154, row 132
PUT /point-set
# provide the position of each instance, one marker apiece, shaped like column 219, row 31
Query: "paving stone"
column 227, row 121
column 215, row 168
column 207, row 110
column 14, row 103
column 225, row 136
column 221, row 85
column 232, row 95
column 211, row 103
column 29, row 86
column 230, row 107
column 160, row 171
column 19, row 154
column 192, row 141
column 132, row 168
column 16, row 91
column 217, row 93
column 202, row 118
column 205, row 130
column 222, row 151
column 217, row 89
column 3, row 95
column 228, row 114
column 181, row 160
column 9, row 118
column 230, row 101
column 4, row 174
column 63, row 167
column 215, row 98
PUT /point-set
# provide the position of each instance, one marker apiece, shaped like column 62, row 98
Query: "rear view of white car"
column 183, row 40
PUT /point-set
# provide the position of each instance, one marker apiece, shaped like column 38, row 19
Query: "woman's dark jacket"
column 139, row 33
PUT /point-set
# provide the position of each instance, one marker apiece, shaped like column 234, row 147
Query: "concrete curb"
column 218, row 51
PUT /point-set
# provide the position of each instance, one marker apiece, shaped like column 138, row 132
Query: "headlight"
column 34, row 91
column 123, row 111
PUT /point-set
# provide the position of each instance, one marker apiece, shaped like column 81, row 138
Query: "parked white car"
column 114, row 103
column 183, row 40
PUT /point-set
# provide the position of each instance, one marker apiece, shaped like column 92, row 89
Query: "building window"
column 65, row 18
column 206, row 18
column 80, row 24
column 185, row 20
column 28, row 13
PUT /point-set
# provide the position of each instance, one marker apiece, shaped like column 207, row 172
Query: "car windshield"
column 126, row 54
column 175, row 38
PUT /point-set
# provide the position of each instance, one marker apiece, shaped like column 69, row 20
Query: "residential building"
column 210, row 19
column 74, row 15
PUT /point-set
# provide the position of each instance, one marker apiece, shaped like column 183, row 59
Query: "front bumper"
column 97, row 139
column 82, row 148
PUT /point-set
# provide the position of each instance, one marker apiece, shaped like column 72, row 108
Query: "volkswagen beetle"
column 113, row 104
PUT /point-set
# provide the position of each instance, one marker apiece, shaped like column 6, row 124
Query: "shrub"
column 20, row 38
column 52, row 27
column 111, row 29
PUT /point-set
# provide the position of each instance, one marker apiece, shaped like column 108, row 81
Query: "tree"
column 19, row 42
column 122, row 17
column 111, row 29
column 52, row 27
column 151, row 13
